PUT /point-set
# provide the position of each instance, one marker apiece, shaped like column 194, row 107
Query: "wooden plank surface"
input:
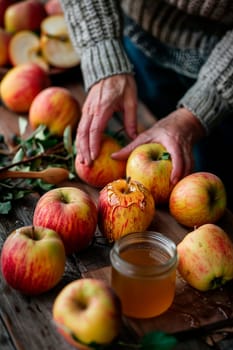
column 26, row 322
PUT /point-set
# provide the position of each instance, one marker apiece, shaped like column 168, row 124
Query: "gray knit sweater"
column 195, row 36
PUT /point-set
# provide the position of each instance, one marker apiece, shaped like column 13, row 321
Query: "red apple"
column 124, row 207
column 151, row 165
column 33, row 259
column 104, row 169
column 197, row 199
column 20, row 86
column 55, row 43
column 206, row 257
column 24, row 47
column 56, row 108
column 53, row 7
column 87, row 312
column 71, row 212
column 5, row 39
column 24, row 14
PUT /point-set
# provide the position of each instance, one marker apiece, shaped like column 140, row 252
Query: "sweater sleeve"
column 95, row 29
column 211, row 97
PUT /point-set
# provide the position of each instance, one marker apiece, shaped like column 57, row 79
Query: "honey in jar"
column 144, row 273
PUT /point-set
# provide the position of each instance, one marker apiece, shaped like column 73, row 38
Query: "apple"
column 56, row 108
column 103, row 169
column 53, row 7
column 24, row 14
column 124, row 206
column 197, row 199
column 3, row 6
column 21, row 84
column 71, row 212
column 151, row 165
column 5, row 39
column 25, row 47
column 87, row 312
column 56, row 46
column 206, row 257
column 33, row 259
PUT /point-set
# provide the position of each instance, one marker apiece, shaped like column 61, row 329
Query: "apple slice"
column 55, row 43
column 24, row 47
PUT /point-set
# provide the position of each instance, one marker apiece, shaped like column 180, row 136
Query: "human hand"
column 178, row 133
column 114, row 94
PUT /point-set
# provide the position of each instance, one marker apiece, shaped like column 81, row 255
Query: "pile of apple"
column 35, row 31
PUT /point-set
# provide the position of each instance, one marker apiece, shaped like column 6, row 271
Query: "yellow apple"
column 124, row 206
column 104, row 169
column 56, row 46
column 151, row 165
column 87, row 312
column 198, row 199
column 206, row 257
column 56, row 108
column 21, row 84
column 25, row 14
column 3, row 6
column 24, row 47
column 5, row 39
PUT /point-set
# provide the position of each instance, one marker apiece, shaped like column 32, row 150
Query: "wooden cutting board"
column 191, row 309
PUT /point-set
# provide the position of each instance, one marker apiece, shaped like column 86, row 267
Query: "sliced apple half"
column 25, row 47
column 55, row 43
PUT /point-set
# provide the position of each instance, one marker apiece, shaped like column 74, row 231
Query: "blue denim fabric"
column 160, row 89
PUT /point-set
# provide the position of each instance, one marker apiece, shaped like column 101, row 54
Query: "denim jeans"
column 160, row 89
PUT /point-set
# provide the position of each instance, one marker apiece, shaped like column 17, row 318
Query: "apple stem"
column 128, row 179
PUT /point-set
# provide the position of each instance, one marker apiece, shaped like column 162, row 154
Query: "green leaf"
column 23, row 122
column 18, row 156
column 158, row 341
column 5, row 207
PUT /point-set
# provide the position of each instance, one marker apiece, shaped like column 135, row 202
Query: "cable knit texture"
column 193, row 37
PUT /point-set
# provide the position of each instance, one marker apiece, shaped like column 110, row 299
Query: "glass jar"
column 143, row 273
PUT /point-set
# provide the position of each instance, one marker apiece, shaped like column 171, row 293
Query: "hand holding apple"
column 151, row 165
column 87, row 311
column 197, row 199
column 71, row 212
column 104, row 169
column 33, row 259
column 206, row 257
column 124, row 206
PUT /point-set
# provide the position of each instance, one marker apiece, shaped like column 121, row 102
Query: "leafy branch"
column 34, row 153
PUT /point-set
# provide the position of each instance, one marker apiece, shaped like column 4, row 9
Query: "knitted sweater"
column 194, row 37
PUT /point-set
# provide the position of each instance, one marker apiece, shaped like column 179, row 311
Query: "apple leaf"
column 158, row 341
column 33, row 153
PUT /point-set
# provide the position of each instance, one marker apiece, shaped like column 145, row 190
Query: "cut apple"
column 24, row 47
column 55, row 43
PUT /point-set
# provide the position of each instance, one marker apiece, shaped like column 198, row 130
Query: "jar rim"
column 165, row 244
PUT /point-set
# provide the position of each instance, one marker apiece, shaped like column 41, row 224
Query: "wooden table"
column 26, row 322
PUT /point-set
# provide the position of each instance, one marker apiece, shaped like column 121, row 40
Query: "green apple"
column 124, row 206
column 151, row 165
column 197, row 199
column 33, row 259
column 87, row 311
column 206, row 257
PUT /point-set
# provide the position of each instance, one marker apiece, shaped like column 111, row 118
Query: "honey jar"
column 143, row 273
